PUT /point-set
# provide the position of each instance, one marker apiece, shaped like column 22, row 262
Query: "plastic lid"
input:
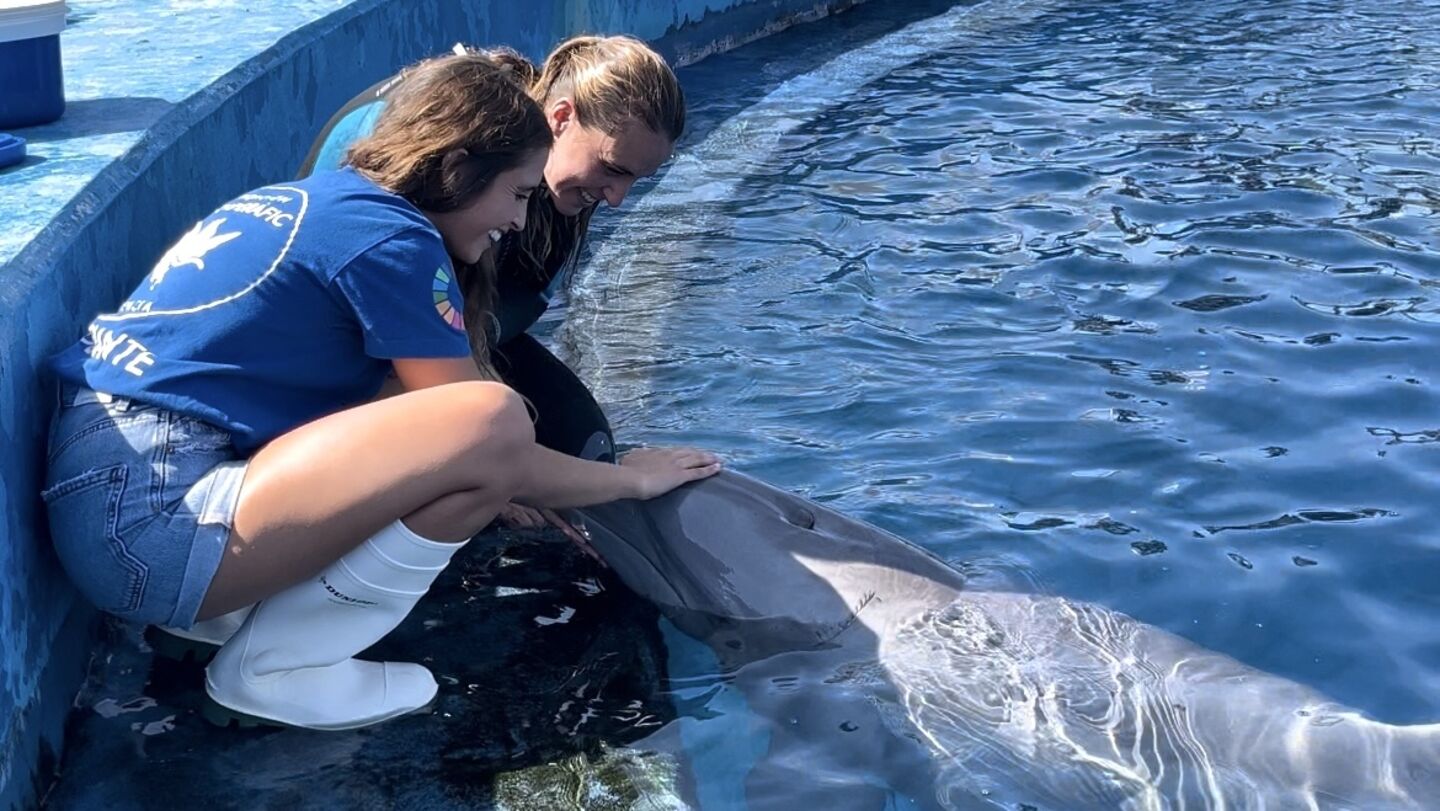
column 31, row 19
column 12, row 150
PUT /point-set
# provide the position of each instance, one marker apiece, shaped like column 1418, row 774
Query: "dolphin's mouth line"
column 660, row 573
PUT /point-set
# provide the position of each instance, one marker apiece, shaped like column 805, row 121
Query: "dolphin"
column 881, row 674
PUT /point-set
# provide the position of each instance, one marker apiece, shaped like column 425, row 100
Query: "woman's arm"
column 555, row 480
column 422, row 373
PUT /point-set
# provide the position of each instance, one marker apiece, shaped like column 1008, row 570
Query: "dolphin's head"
column 723, row 546
column 733, row 549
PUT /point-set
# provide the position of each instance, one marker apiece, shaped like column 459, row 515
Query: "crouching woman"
column 218, row 442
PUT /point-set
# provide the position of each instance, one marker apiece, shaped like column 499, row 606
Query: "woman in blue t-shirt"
column 616, row 111
column 220, row 441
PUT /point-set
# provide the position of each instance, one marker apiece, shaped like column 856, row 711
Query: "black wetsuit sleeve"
column 518, row 305
column 567, row 418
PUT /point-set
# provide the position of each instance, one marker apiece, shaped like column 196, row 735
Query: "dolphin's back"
column 1029, row 698
column 1070, row 705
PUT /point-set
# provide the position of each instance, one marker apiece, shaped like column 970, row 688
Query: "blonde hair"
column 476, row 102
column 612, row 82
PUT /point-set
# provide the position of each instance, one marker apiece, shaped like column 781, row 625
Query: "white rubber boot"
column 289, row 664
column 198, row 642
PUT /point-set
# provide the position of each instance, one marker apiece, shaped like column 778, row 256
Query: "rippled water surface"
column 1130, row 302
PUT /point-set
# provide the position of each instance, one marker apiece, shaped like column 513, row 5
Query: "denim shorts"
column 141, row 502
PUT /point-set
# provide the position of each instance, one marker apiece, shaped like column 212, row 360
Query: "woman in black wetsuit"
column 616, row 111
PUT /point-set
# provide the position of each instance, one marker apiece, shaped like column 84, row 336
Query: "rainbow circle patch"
column 447, row 299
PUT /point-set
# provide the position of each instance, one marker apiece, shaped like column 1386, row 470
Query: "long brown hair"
column 612, row 82
column 475, row 103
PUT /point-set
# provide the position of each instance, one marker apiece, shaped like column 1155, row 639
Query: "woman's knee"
column 495, row 421
column 506, row 414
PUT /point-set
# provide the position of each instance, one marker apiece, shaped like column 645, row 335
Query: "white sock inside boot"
column 407, row 547
column 399, row 558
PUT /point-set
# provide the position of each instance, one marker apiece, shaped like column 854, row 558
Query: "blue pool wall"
column 249, row 127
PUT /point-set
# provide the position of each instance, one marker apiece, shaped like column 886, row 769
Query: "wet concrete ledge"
column 173, row 108
column 547, row 666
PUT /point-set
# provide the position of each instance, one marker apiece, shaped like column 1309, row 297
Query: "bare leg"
column 441, row 459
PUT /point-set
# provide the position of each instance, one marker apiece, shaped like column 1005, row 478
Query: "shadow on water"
column 723, row 85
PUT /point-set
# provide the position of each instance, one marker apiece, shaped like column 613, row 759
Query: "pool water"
column 1129, row 302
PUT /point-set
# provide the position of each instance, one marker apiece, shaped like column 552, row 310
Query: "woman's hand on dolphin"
column 519, row 516
column 660, row 470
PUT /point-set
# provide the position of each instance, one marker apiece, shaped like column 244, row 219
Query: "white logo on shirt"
column 280, row 207
column 191, row 249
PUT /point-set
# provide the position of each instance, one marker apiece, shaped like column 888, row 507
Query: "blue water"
column 1130, row 302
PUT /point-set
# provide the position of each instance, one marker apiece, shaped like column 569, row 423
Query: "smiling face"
column 473, row 228
column 587, row 165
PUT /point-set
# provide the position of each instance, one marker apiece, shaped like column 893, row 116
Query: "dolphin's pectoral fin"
column 697, row 706
column 827, row 634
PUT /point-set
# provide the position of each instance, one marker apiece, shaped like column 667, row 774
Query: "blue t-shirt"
column 519, row 301
column 284, row 305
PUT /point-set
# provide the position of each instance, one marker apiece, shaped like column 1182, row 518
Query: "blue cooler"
column 31, row 88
